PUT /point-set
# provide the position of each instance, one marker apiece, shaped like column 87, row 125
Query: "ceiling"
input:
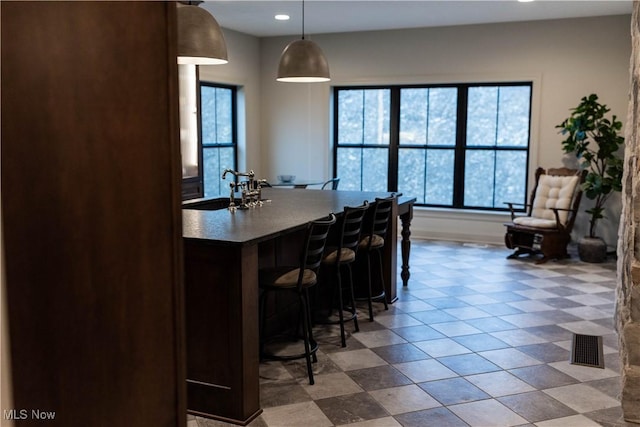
column 335, row 16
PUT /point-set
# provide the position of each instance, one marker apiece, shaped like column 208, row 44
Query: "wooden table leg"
column 406, row 244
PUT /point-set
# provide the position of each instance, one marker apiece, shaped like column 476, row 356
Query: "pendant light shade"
column 302, row 61
column 200, row 39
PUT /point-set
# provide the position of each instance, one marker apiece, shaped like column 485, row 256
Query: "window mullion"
column 234, row 124
column 364, row 124
column 426, row 148
column 461, row 141
column 495, row 151
column 336, row 115
column 394, row 139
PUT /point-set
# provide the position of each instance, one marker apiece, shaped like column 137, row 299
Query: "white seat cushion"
column 530, row 221
column 552, row 192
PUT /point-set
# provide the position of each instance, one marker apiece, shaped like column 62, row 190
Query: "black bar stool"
column 297, row 280
column 373, row 242
column 341, row 257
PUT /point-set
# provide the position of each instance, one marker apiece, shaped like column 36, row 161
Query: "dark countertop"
column 288, row 210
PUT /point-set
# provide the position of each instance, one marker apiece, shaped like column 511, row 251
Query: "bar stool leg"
column 353, row 300
column 369, row 291
column 341, row 306
column 310, row 323
column 306, row 330
column 384, row 295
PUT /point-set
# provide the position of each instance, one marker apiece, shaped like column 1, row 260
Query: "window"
column 463, row 146
column 219, row 135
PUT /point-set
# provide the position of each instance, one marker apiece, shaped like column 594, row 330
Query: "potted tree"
column 594, row 140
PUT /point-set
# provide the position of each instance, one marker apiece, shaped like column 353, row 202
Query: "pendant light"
column 200, row 39
column 302, row 61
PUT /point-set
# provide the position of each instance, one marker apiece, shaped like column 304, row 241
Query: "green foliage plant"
column 595, row 141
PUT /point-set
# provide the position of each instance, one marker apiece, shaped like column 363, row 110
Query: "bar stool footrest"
column 313, row 348
column 348, row 316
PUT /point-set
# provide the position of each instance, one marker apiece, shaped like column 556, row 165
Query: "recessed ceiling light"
column 282, row 17
column 525, row 1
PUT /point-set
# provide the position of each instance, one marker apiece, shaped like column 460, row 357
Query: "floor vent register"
column 586, row 350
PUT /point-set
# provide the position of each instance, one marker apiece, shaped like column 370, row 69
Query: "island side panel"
column 222, row 330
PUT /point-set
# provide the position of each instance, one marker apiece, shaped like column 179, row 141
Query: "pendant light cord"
column 302, row 19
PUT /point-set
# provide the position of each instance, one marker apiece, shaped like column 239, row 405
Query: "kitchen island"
column 223, row 252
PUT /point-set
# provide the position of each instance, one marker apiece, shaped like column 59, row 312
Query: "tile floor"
column 475, row 340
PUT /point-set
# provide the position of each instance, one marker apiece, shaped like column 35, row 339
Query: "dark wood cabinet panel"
column 91, row 193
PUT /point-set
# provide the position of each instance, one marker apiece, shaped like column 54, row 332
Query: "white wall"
column 243, row 70
column 566, row 59
column 288, row 126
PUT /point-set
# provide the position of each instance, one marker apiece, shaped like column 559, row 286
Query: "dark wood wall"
column 90, row 173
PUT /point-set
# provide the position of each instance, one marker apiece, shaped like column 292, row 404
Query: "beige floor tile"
column 397, row 320
column 587, row 299
column 411, row 306
column 441, row 347
column 509, row 358
column 484, row 413
column 584, row 373
column 330, row 385
column 517, row 337
column 296, row 415
column 409, row 398
column 425, row 370
column 587, row 312
column 585, row 327
column 529, row 306
column 379, row 338
column 356, row 359
column 572, row 421
column 477, row 299
column 466, row 313
column 273, row 371
column 499, row 383
column 528, row 320
column 582, row 398
column 379, row 422
column 536, row 294
column 455, row 329
column 542, row 273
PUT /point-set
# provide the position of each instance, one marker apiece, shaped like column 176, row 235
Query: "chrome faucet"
column 249, row 174
column 251, row 190
column 232, row 198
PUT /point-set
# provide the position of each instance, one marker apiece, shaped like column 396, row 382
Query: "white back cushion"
column 553, row 192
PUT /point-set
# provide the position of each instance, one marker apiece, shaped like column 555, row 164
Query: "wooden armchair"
column 550, row 214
